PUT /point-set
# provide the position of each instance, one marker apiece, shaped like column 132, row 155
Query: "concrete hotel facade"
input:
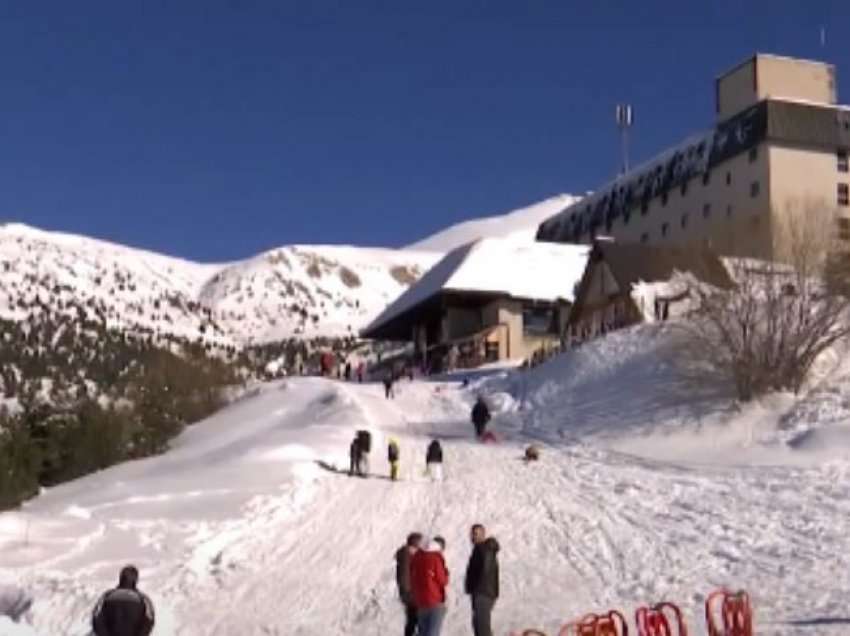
column 780, row 143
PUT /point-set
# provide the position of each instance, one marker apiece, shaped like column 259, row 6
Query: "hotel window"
column 754, row 153
column 728, row 178
column 644, row 238
column 706, row 210
column 665, row 229
column 843, row 194
column 684, row 220
column 755, row 188
column 844, row 229
column 842, row 160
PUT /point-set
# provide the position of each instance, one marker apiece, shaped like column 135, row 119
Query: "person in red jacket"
column 428, row 580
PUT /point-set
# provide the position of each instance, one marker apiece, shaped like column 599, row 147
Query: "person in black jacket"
column 354, row 454
column 480, row 416
column 434, row 460
column 482, row 579
column 124, row 611
column 402, row 579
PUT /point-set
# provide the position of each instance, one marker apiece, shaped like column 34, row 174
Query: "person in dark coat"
column 354, row 454
column 348, row 372
column 482, row 579
column 388, row 385
column 434, row 460
column 402, row 578
column 124, row 611
column 480, row 416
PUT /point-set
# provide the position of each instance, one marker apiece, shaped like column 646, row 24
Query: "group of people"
column 422, row 578
column 359, row 457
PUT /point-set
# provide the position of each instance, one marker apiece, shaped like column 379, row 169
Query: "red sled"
column 611, row 624
column 735, row 613
column 664, row 619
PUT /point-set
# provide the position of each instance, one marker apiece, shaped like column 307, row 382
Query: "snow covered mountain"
column 521, row 223
column 291, row 291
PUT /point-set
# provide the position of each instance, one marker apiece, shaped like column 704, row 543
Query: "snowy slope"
column 291, row 291
column 238, row 529
column 522, row 223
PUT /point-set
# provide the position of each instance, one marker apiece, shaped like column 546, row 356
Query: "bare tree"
column 767, row 331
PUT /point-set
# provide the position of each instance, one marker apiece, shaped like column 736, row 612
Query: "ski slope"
column 245, row 526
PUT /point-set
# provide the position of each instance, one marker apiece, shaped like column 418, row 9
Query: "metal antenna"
column 624, row 122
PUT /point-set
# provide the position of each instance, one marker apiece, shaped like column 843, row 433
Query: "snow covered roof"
column 516, row 268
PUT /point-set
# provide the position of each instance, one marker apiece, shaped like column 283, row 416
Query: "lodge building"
column 780, row 143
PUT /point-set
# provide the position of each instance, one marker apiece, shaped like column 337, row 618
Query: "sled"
column 611, row 624
column 734, row 610
column 657, row 621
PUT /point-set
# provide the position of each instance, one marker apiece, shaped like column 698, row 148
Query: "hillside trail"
column 584, row 529
column 329, row 566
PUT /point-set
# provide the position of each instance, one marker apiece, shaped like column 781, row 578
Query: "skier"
column 393, row 456
column 434, row 461
column 354, row 452
column 482, row 579
column 388, row 385
column 428, row 581
column 480, row 416
column 14, row 602
column 124, row 611
column 402, row 577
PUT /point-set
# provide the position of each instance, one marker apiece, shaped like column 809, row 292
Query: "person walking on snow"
column 124, row 611
column 393, row 456
column 434, row 461
column 482, row 579
column 429, row 578
column 354, row 455
column 402, row 578
column 388, row 385
column 480, row 416
column 361, row 372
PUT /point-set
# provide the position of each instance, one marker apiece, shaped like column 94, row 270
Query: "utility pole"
column 624, row 122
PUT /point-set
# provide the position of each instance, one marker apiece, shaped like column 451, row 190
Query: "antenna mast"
column 624, row 122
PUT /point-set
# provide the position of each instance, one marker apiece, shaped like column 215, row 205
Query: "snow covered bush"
column 767, row 332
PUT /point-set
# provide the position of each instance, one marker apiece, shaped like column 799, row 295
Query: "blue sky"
column 213, row 130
